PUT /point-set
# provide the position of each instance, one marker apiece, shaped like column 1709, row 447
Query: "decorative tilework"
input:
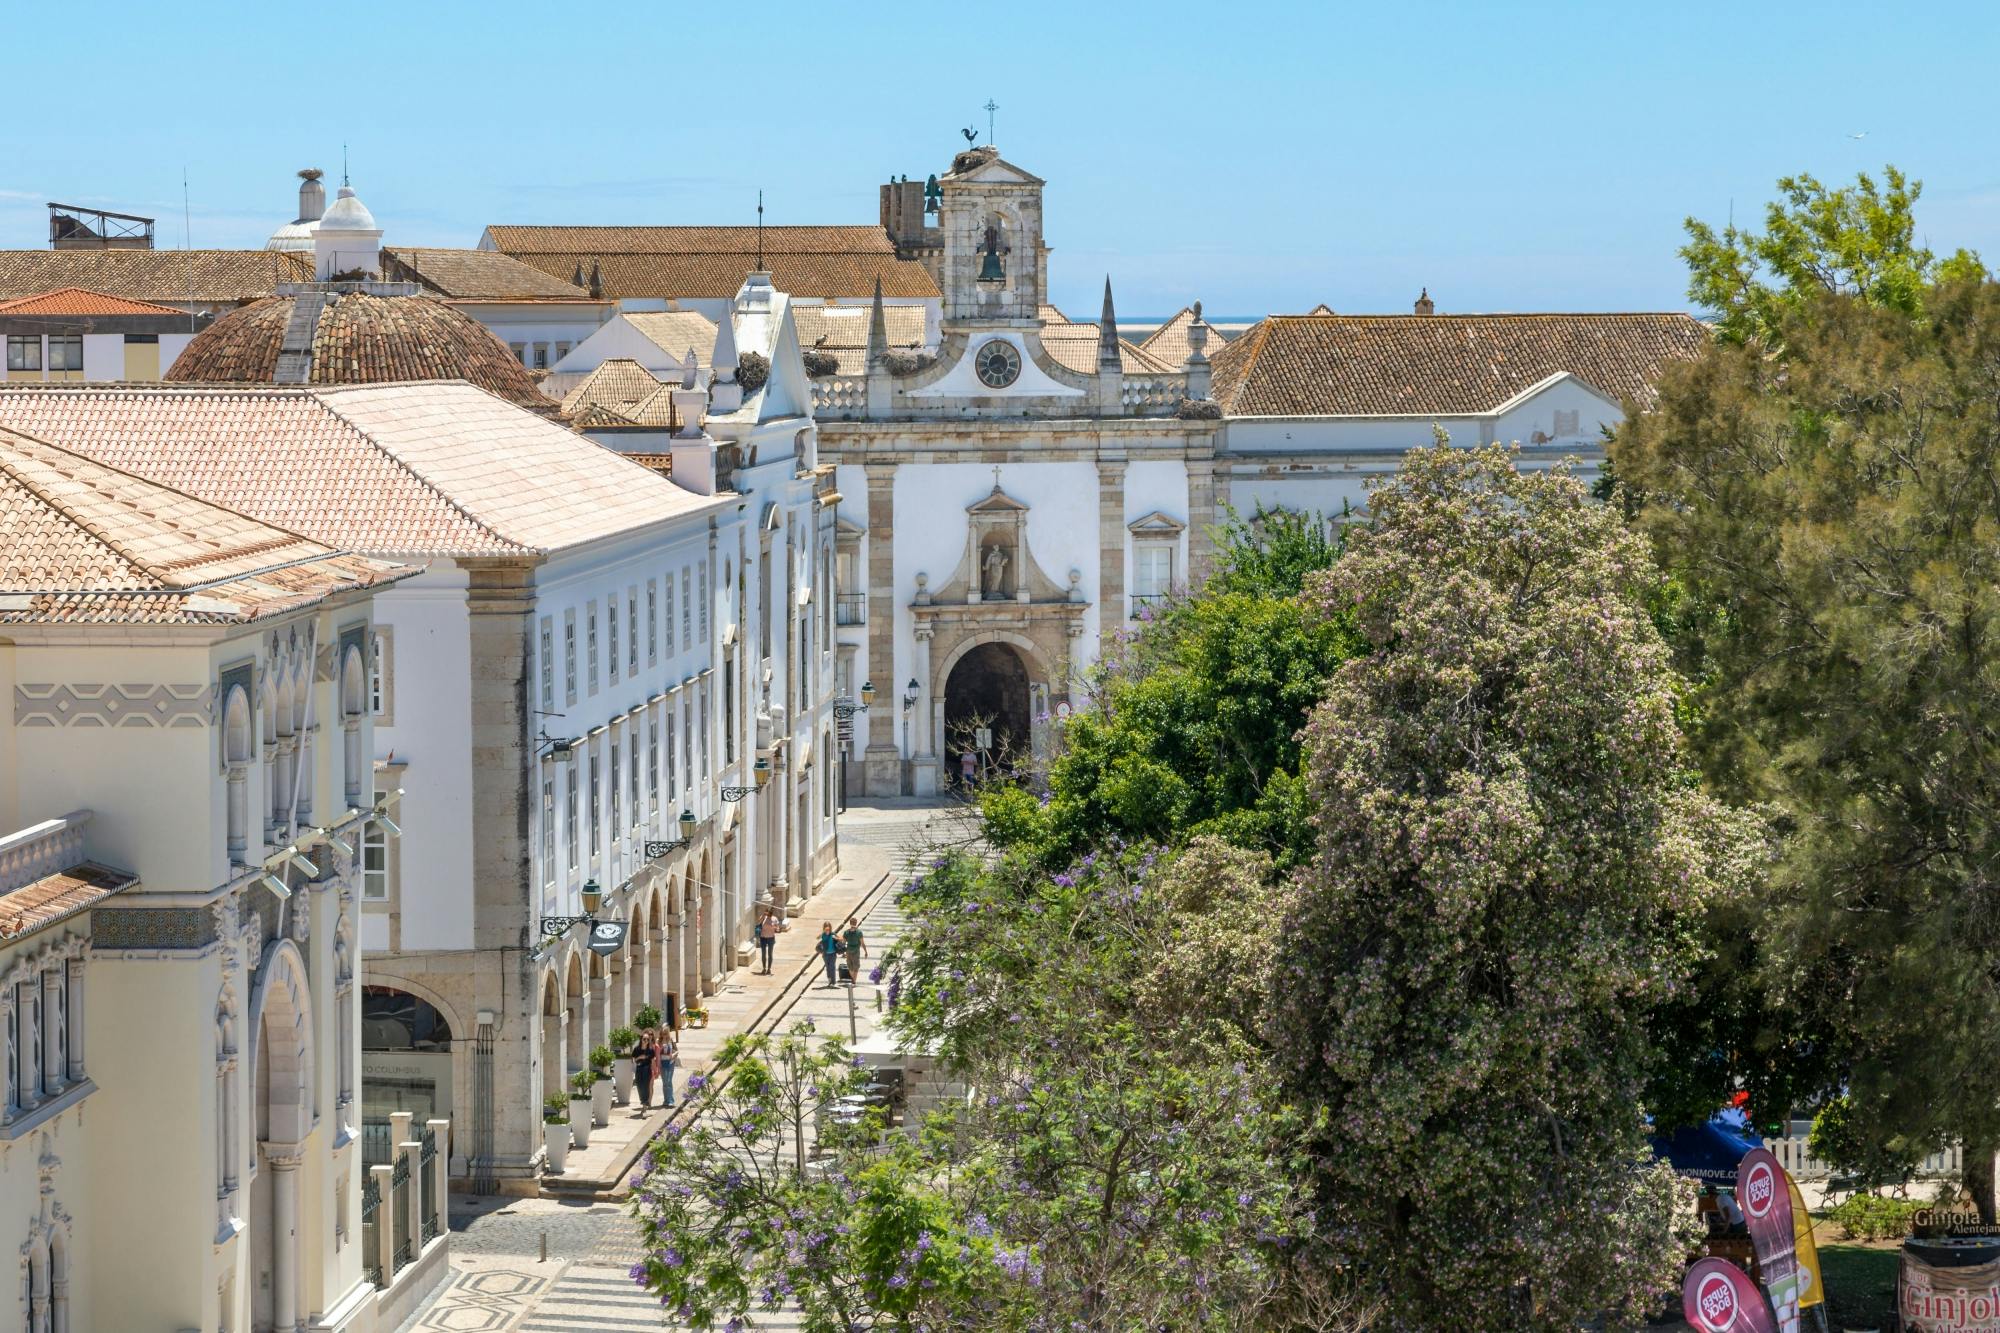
column 152, row 928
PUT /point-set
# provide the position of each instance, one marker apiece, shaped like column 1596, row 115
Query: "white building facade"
column 184, row 768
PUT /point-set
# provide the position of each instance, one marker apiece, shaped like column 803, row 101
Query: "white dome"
column 348, row 214
column 292, row 236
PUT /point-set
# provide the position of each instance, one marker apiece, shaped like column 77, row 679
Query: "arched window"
column 236, row 752
column 353, row 705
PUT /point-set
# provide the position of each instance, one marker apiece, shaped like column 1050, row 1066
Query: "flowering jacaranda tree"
column 1511, row 848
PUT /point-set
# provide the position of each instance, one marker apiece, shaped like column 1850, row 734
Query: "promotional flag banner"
column 1763, row 1192
column 1719, row 1297
column 1810, row 1290
column 1948, row 1300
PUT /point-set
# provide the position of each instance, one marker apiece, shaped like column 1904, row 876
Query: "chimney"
column 1424, row 303
column 312, row 195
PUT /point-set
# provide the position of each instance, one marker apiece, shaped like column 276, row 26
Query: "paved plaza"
column 537, row 1265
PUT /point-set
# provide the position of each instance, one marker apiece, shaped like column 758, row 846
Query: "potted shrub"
column 580, row 1084
column 556, row 1132
column 622, row 1041
column 696, row 1016
column 648, row 1018
column 600, row 1088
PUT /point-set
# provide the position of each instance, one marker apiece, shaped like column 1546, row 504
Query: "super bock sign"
column 1719, row 1297
column 607, row 937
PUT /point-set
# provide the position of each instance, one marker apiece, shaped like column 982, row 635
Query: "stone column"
column 285, row 1237
column 924, row 769
column 576, row 1035
column 882, row 763
column 1201, row 517
column 440, row 1176
column 73, row 972
column 54, row 1061
column 600, row 998
column 12, row 1105
column 659, row 961
column 412, row 1152
column 385, row 1221
column 1111, row 610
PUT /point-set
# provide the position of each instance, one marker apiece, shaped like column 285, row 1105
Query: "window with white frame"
column 653, row 757
column 43, row 1012
column 65, row 352
column 703, row 690
column 569, row 656
column 375, row 858
column 381, row 665
column 611, row 629
column 673, row 756
column 569, row 816
column 687, row 609
column 701, row 578
column 616, row 827
column 1152, row 571
column 632, row 767
column 652, row 621
column 547, row 660
column 548, row 831
column 671, row 631
column 632, row 631
column 590, row 643
column 562, row 350
column 520, row 351
column 596, row 807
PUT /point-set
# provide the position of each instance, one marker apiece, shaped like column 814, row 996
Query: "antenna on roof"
column 343, row 166
column 760, row 231
column 187, row 242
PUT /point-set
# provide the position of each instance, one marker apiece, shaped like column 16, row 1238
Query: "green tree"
column 1858, row 241
column 1192, row 724
column 1511, row 850
column 1839, row 506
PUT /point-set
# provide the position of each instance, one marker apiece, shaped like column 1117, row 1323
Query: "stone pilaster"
column 1111, row 544
column 1201, row 517
column 882, row 761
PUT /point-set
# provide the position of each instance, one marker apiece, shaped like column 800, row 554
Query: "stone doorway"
column 988, row 688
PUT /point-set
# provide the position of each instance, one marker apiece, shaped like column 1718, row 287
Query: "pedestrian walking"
column 669, row 1051
column 643, row 1057
column 968, row 766
column 857, row 947
column 767, row 937
column 829, row 951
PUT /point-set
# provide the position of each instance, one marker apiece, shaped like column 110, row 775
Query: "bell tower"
column 995, row 266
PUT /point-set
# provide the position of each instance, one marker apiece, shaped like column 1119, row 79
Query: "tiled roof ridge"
column 1492, row 314
column 161, row 572
column 29, row 298
column 324, row 392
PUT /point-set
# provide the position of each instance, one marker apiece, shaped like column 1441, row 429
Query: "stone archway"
column 987, row 695
column 552, row 1053
column 282, row 1081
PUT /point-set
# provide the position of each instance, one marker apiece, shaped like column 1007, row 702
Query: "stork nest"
column 820, row 364
column 1198, row 409
column 752, row 369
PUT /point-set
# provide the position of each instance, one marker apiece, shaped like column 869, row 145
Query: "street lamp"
column 909, row 708
column 593, row 899
column 655, row 850
column 844, row 709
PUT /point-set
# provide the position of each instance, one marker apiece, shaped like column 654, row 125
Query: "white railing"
column 41, row 850
column 1797, row 1159
column 840, row 394
column 1151, row 393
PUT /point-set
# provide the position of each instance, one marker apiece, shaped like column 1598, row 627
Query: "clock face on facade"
column 997, row 363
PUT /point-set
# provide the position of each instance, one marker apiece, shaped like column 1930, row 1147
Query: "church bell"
column 989, row 268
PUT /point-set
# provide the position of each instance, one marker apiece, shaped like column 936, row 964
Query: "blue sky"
column 1256, row 156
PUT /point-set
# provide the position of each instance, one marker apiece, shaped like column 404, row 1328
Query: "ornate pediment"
column 1156, row 525
column 996, row 566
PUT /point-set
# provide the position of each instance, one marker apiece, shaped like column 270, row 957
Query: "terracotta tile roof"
column 359, row 339
column 53, row 898
column 80, row 301
column 202, row 277
column 843, row 331
column 80, row 541
column 676, row 331
column 522, row 241
column 435, row 469
column 1439, row 365
column 620, row 392
column 849, row 275
column 1074, row 346
column 1169, row 343
column 477, row 275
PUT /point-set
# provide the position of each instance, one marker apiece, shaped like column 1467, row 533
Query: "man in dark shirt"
column 856, row 948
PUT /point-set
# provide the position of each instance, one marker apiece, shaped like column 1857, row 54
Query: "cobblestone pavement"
column 500, row 1282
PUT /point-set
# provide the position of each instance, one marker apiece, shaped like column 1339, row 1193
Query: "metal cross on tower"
column 991, row 107
column 760, row 231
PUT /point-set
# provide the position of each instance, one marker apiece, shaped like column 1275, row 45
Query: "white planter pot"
column 579, row 1120
column 600, row 1101
column 557, row 1139
column 622, row 1073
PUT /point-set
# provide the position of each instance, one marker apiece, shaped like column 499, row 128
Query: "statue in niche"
column 995, row 571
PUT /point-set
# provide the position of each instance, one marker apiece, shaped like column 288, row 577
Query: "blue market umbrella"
column 1709, row 1151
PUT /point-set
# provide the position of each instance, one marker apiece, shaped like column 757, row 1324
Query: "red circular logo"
column 1715, row 1303
column 1760, row 1190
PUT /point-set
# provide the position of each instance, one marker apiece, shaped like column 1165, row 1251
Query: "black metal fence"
column 399, row 1186
column 426, row 1168
column 371, row 1211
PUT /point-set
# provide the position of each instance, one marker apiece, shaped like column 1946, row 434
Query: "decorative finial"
column 760, row 231
column 996, row 479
